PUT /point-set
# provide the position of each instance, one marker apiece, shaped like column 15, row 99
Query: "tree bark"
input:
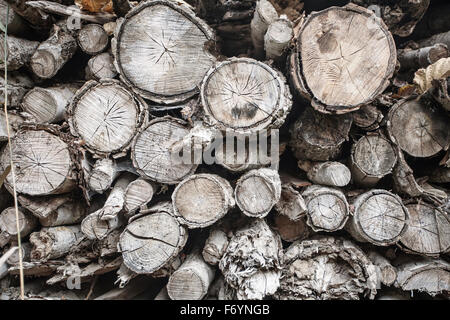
column 257, row 191
column 321, row 67
column 18, row 52
column 413, row 59
column 202, row 199
column 368, row 117
column 291, row 203
column 14, row 122
column 16, row 25
column 18, row 85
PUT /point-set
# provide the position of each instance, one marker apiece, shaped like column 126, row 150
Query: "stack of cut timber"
column 310, row 148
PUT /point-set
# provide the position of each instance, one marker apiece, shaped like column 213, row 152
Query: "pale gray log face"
column 161, row 51
column 374, row 156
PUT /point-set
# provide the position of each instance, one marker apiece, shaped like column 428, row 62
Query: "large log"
column 335, row 72
column 160, row 36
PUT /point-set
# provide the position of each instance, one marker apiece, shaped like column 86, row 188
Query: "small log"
column 387, row 273
column 151, row 151
column 116, row 198
column 257, row 192
column 413, row 59
column 92, row 39
column 336, row 73
column 263, row 16
column 319, row 137
column 278, row 38
column 69, row 212
column 151, row 239
column 54, row 242
column 202, row 199
column 329, row 173
column 106, row 115
column 93, row 227
column 215, row 246
column 379, row 217
column 18, row 52
column 3, row 259
column 13, row 259
column 291, row 203
column 289, row 230
column 137, row 194
column 425, row 275
column 372, row 157
column 428, row 232
column 244, row 95
column 443, row 38
column 192, row 279
column 341, row 268
column 27, row 222
column 100, row 67
column 35, row 176
column 52, row 54
column 418, row 127
column 18, row 85
column 251, row 263
column 105, row 171
column 368, row 117
column 37, row 268
column 188, row 57
column 327, row 208
column 48, row 105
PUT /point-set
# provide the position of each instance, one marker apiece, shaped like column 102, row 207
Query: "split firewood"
column 106, row 115
column 418, row 126
column 54, row 242
column 413, row 59
column 153, row 30
column 326, row 268
column 244, row 95
column 291, row 203
column 289, row 230
column 336, row 73
column 401, row 17
column 151, row 239
column 257, row 192
column 152, row 154
column 191, row 280
column 43, row 163
column 372, row 157
column 48, row 105
column 387, row 273
column 100, row 67
column 17, row 86
column 18, row 52
column 319, row 137
column 251, row 264
column 428, row 230
column 215, row 246
column 92, row 39
column 278, row 38
column 368, row 117
column 8, row 225
column 202, row 199
column 327, row 208
column 138, row 194
column 263, row 16
column 329, row 173
column 379, row 217
column 424, row 275
column 52, row 54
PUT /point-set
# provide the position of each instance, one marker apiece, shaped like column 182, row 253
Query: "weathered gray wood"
column 263, row 16
column 329, row 173
column 101, row 67
column 18, row 52
column 37, row 19
column 161, row 50
column 92, row 38
column 16, row 24
column 138, row 194
column 368, row 117
column 291, row 203
column 27, row 222
column 18, row 85
column 277, row 38
column 215, row 246
column 335, row 72
column 14, row 122
column 387, row 273
column 289, row 230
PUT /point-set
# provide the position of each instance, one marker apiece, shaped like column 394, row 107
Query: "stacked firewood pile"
column 350, row 202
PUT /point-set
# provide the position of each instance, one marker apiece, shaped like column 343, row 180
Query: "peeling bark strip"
column 428, row 231
column 27, row 222
column 202, row 199
column 42, row 161
column 291, row 203
column 106, row 116
column 52, row 54
column 251, row 264
column 257, row 192
column 152, row 155
column 150, row 241
column 337, row 73
column 379, row 217
column 319, row 137
column 48, row 105
column 245, row 95
column 161, row 50
column 372, row 157
column 326, row 268
column 191, row 280
column 327, row 208
column 418, row 127
column 18, row 52
column 92, row 38
column 425, row 275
